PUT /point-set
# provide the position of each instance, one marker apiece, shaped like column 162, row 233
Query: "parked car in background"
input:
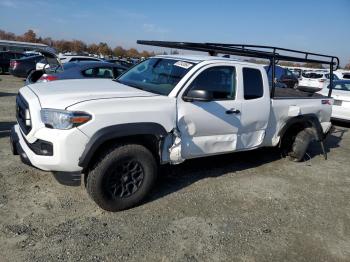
column 77, row 58
column 122, row 62
column 24, row 66
column 5, row 58
column 341, row 95
column 342, row 75
column 80, row 70
column 296, row 71
column 314, row 81
column 283, row 75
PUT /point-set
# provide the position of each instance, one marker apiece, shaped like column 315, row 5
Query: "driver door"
column 210, row 127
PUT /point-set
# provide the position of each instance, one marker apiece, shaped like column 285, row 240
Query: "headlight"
column 62, row 119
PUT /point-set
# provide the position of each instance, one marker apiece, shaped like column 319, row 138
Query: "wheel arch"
column 148, row 134
column 300, row 122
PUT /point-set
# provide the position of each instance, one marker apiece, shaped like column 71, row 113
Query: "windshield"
column 156, row 75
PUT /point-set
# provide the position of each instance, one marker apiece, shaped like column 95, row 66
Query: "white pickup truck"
column 164, row 110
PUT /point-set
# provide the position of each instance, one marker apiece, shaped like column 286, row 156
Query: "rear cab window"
column 252, row 83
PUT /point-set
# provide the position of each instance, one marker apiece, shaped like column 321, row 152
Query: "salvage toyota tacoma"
column 167, row 109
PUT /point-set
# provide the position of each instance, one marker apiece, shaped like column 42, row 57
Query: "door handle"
column 233, row 111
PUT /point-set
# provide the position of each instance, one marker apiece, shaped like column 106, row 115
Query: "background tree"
column 347, row 67
column 7, row 35
column 145, row 54
column 62, row 45
column 78, row 46
column 119, row 51
column 132, row 52
column 92, row 48
column 104, row 49
column 29, row 36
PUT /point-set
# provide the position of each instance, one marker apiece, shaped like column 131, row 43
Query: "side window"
column 252, row 83
column 104, row 72
column 89, row 72
column 221, row 81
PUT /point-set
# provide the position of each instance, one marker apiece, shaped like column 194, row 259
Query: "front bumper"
column 68, row 146
column 64, row 178
column 16, row 147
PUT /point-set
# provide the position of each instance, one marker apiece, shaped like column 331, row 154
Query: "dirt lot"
column 252, row 206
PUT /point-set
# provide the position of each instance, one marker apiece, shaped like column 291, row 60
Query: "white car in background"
column 341, row 95
column 314, row 81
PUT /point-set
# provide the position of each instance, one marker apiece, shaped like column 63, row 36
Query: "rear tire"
column 122, row 178
column 301, row 144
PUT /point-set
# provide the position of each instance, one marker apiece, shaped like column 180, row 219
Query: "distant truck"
column 167, row 109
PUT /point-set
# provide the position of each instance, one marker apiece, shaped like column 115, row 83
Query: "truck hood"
column 64, row 93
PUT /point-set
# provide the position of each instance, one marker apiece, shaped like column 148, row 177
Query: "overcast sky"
column 319, row 26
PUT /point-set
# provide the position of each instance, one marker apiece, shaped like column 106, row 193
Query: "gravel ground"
column 253, row 206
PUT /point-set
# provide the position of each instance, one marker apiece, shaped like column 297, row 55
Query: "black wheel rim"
column 124, row 179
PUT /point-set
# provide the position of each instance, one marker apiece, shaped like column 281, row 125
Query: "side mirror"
column 198, row 95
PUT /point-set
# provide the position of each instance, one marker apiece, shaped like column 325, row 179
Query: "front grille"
column 23, row 114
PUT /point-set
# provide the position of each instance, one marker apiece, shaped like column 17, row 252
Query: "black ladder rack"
column 274, row 54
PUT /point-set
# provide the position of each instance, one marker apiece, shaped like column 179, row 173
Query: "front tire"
column 122, row 178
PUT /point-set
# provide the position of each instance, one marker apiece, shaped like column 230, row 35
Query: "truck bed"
column 295, row 93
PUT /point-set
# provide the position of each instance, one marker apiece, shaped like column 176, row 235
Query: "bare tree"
column 29, row 36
